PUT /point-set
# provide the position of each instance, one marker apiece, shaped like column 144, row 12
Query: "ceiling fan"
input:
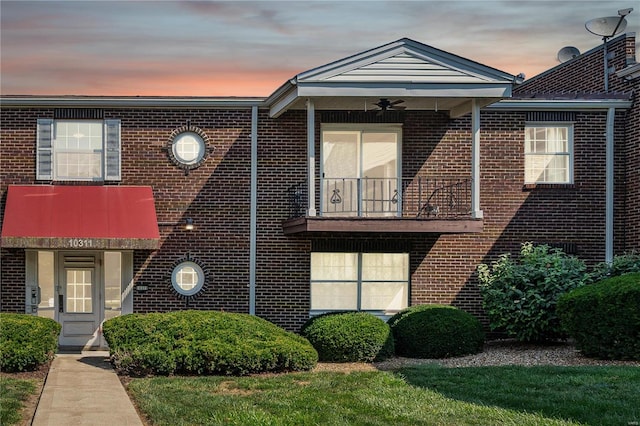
column 386, row 105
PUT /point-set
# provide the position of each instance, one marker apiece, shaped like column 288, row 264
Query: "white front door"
column 79, row 294
column 80, row 290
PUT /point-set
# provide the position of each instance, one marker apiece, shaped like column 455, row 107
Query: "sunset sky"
column 249, row 48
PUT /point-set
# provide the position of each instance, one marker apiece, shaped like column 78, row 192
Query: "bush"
column 622, row 264
column 436, row 331
column 520, row 296
column 604, row 318
column 203, row 342
column 26, row 341
column 349, row 337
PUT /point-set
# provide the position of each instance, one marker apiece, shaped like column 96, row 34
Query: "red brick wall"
column 442, row 266
column 215, row 196
column 586, row 74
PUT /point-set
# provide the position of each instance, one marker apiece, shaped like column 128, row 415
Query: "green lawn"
column 427, row 395
column 13, row 392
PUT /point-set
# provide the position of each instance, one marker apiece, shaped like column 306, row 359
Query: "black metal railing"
column 421, row 197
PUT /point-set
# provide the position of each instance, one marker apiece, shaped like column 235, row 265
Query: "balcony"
column 365, row 205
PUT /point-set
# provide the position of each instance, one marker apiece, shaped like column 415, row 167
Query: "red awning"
column 86, row 217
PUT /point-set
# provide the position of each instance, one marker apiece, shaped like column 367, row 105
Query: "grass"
column 13, row 392
column 588, row 395
column 426, row 395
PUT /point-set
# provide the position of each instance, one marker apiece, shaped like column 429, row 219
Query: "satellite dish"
column 567, row 53
column 607, row 26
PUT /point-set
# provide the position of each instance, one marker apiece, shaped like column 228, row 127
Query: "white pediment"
column 425, row 77
column 405, row 61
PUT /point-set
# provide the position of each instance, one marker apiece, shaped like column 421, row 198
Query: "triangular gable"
column 405, row 60
column 425, row 77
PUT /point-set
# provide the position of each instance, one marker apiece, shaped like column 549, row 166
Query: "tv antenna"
column 608, row 27
column 567, row 53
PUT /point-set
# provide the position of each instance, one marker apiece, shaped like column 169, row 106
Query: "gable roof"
column 405, row 68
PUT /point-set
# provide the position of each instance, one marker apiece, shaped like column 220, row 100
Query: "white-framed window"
column 187, row 278
column 359, row 281
column 188, row 148
column 361, row 170
column 78, row 150
column 548, row 153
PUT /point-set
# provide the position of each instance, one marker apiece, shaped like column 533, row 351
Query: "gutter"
column 129, row 102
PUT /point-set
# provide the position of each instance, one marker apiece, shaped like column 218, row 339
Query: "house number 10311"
column 80, row 242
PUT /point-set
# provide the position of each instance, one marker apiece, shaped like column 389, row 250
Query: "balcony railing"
column 419, row 197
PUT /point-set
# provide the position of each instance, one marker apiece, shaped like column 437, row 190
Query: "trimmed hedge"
column 349, row 337
column 204, row 342
column 436, row 331
column 604, row 318
column 26, row 341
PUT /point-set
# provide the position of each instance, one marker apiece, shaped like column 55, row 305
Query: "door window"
column 79, row 297
column 45, row 293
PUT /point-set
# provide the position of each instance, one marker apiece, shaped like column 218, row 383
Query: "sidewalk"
column 83, row 389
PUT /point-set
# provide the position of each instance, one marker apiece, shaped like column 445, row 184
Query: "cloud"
column 82, row 47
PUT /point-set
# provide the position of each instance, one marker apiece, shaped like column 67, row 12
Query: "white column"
column 476, row 213
column 609, row 161
column 311, row 158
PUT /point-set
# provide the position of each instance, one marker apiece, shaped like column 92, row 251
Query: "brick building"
column 375, row 182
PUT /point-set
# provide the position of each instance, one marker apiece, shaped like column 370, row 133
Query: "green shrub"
column 436, row 331
column 26, row 341
column 520, row 296
column 204, row 342
column 621, row 264
column 349, row 337
column 604, row 318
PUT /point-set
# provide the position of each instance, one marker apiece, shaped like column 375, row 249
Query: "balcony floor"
column 382, row 225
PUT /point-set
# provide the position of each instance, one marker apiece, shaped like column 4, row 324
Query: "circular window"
column 188, row 148
column 187, row 278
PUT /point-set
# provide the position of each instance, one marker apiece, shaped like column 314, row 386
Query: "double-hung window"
column 548, row 153
column 359, row 281
column 78, row 150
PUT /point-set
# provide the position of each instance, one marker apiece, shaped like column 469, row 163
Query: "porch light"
column 188, row 224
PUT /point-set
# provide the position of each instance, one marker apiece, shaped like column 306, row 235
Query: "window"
column 548, row 156
column 78, row 150
column 188, row 148
column 359, row 281
column 187, row 278
column 360, row 171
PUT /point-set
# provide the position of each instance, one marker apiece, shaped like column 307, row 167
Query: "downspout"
column 609, row 198
column 253, row 221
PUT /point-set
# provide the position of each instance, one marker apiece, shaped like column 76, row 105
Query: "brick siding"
column 216, row 196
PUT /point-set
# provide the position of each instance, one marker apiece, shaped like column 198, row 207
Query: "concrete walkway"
column 83, row 389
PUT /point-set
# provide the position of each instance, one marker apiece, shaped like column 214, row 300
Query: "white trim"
column 569, row 125
column 630, row 72
column 393, row 89
column 559, row 105
column 178, row 287
column 127, row 102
